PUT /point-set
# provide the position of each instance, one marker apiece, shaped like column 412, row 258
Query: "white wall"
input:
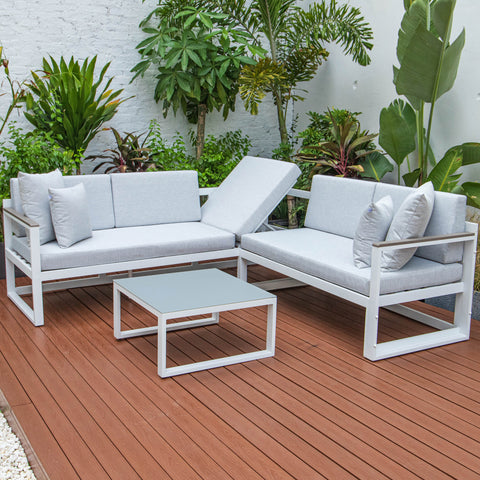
column 341, row 83
column 33, row 29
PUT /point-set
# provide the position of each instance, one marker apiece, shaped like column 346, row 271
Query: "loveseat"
column 83, row 227
column 358, row 242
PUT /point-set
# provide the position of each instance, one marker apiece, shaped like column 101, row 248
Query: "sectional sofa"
column 374, row 244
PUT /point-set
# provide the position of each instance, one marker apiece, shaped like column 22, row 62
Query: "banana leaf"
column 375, row 165
column 472, row 190
column 397, row 130
column 443, row 175
column 429, row 64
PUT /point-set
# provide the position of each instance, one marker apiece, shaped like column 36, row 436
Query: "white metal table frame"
column 162, row 328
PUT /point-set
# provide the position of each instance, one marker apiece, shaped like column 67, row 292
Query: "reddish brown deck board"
column 318, row 409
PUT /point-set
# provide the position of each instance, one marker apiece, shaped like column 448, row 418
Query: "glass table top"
column 174, row 292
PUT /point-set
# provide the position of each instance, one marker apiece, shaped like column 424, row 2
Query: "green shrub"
column 34, row 152
column 220, row 154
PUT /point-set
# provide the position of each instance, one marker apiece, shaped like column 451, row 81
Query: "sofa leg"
column 10, row 276
column 371, row 331
column 463, row 311
column 37, row 296
column 242, row 272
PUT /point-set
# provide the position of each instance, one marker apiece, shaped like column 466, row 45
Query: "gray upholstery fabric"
column 99, row 198
column 448, row 216
column 35, row 199
column 336, row 204
column 131, row 243
column 17, row 205
column 372, row 227
column 70, row 217
column 410, row 221
column 249, row 194
column 153, row 198
column 329, row 257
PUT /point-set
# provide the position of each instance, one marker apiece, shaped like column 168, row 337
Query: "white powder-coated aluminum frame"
column 215, row 292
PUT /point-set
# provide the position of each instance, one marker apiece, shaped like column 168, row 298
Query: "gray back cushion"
column 249, row 194
column 153, row 198
column 448, row 216
column 99, row 198
column 337, row 204
column 17, row 205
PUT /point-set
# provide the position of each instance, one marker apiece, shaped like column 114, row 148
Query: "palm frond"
column 326, row 21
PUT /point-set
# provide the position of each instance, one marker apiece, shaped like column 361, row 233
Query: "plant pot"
column 447, row 302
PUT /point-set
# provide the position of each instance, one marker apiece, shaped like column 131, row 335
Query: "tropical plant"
column 346, row 152
column 296, row 39
column 428, row 68
column 198, row 56
column 130, row 154
column 67, row 101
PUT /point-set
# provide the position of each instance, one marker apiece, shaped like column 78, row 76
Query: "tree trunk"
column 202, row 113
column 282, row 126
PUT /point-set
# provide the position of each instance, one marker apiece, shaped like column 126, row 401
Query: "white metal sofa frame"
column 446, row 332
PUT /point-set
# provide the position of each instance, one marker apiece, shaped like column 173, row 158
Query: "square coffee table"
column 183, row 294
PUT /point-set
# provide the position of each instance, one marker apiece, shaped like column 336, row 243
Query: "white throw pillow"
column 372, row 227
column 70, row 217
column 410, row 221
column 35, row 199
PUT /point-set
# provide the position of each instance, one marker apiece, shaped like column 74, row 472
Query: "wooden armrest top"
column 21, row 218
column 451, row 236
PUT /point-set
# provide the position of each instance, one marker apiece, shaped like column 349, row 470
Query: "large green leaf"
column 397, row 130
column 428, row 65
column 471, row 153
column 415, row 16
column 375, row 165
column 472, row 190
column 443, row 175
column 442, row 14
column 451, row 61
column 411, row 178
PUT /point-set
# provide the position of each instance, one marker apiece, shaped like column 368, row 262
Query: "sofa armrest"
column 424, row 241
column 206, row 191
column 469, row 238
column 19, row 218
column 295, row 192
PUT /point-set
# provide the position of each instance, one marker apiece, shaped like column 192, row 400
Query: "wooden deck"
column 94, row 408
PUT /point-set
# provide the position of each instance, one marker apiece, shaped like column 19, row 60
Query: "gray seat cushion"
column 153, row 198
column 131, row 243
column 249, row 194
column 329, row 257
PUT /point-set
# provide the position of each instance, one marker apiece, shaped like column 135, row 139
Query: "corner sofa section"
column 142, row 221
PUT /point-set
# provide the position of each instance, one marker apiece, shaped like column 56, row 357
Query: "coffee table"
column 183, row 294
